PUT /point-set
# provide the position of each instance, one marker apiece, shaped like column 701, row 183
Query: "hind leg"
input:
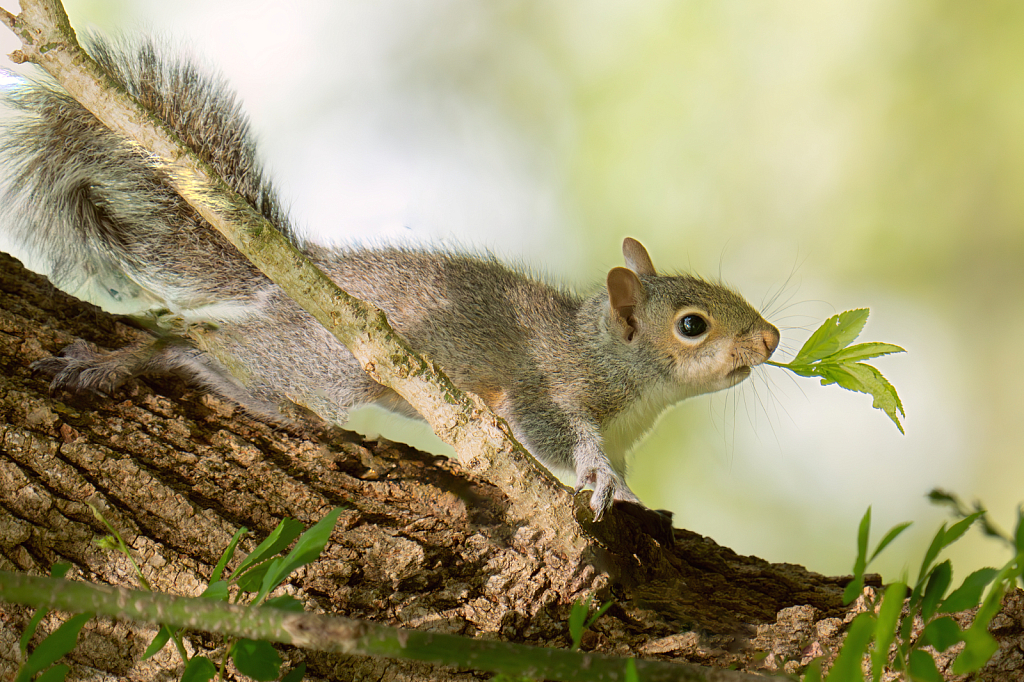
column 81, row 368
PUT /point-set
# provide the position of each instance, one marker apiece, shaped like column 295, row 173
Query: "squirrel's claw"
column 608, row 487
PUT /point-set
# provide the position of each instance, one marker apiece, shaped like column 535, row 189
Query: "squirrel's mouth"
column 738, row 374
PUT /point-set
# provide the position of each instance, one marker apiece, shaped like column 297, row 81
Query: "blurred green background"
column 816, row 156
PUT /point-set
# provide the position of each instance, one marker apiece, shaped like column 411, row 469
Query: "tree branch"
column 345, row 635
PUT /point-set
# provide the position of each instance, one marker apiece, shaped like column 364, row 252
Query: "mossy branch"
column 344, row 635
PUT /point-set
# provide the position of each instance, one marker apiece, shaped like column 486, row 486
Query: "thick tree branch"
column 482, row 441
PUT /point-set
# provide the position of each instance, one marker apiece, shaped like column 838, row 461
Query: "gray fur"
column 578, row 380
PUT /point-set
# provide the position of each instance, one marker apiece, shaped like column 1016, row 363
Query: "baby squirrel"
column 578, row 379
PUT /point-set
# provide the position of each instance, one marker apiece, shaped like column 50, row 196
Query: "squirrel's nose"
column 770, row 339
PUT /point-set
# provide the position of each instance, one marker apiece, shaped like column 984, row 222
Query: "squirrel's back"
column 93, row 207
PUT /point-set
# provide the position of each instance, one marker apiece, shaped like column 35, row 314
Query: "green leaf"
column 597, row 614
column 813, row 671
column 862, row 351
column 835, row 333
column 853, row 589
column 282, row 536
column 56, row 645
column 306, row 550
column 57, row 673
column 968, row 595
column 922, row 667
column 929, row 556
column 865, row 379
column 979, row 648
column 226, row 555
column 251, row 580
column 885, row 628
column 577, row 617
column 631, row 674
column 938, row 583
column 847, row 666
column 861, row 562
column 199, row 669
column 295, row 674
column 959, row 528
column 285, row 602
column 58, row 570
column 158, row 642
column 257, row 659
column 941, row 633
column 1019, row 534
column 893, row 533
column 217, row 591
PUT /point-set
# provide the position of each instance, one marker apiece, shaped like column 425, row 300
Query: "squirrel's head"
column 708, row 334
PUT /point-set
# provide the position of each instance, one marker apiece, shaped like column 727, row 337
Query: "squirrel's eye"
column 692, row 325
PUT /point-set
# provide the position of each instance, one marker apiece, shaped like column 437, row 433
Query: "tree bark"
column 421, row 543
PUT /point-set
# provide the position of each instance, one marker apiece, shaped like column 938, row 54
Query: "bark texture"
column 420, row 544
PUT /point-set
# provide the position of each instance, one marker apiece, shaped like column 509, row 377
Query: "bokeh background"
column 816, row 156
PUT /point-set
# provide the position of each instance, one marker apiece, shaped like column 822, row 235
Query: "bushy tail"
column 95, row 210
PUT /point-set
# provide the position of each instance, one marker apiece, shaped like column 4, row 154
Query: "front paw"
column 80, row 368
column 608, row 487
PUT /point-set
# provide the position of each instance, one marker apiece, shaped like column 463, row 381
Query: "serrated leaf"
column 893, row 533
column 835, row 333
column 959, row 528
column 158, row 643
column 306, row 550
column 199, row 669
column 257, row 659
column 968, row 595
column 922, row 667
column 847, row 666
column 56, row 645
column 938, row 582
column 865, row 379
column 862, row 351
column 941, row 633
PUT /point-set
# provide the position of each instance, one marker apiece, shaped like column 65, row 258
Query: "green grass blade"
column 226, row 555
column 282, row 536
column 306, row 550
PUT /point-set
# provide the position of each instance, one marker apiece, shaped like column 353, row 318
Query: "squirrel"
column 579, row 379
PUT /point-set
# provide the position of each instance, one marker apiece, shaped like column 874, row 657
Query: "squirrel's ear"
column 624, row 293
column 636, row 256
